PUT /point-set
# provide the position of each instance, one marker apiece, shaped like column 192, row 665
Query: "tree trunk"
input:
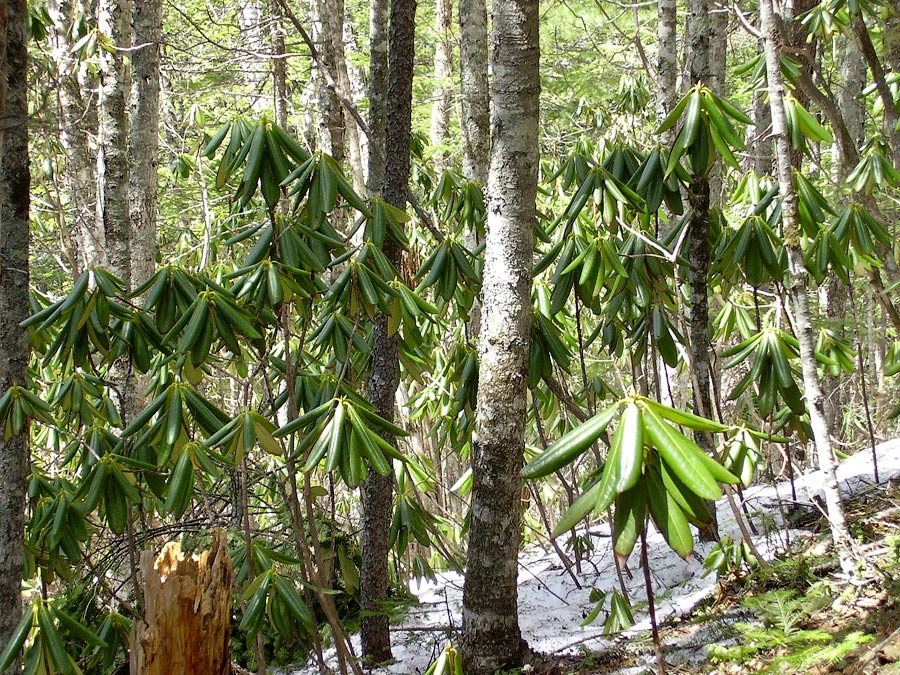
column 15, row 186
column 77, row 124
column 852, row 69
column 331, row 114
column 443, row 88
column 699, row 33
column 186, row 628
column 473, row 63
column 249, row 18
column 799, row 292
column 385, row 369
column 378, row 87
column 666, row 65
column 144, row 137
column 491, row 635
column 279, row 66
column 113, row 216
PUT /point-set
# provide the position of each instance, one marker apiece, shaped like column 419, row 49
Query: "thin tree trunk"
column 799, row 292
column 144, row 137
column 113, row 217
column 385, row 368
column 331, row 114
column 699, row 35
column 852, row 69
column 473, row 63
column 443, row 88
column 279, row 66
column 378, row 87
column 666, row 65
column 77, row 124
column 491, row 635
column 250, row 21
column 15, row 189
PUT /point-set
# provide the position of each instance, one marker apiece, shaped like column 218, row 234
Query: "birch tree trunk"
column 77, row 126
column 143, row 140
column 799, row 290
column 250, row 21
column 491, row 635
column 15, row 186
column 473, row 63
column 385, row 368
column 443, row 88
column 113, row 216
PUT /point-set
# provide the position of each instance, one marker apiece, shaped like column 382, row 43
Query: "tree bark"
column 491, row 635
column 143, row 141
column 113, row 217
column 331, row 114
column 385, row 368
column 473, row 63
column 443, row 88
column 77, row 125
column 15, row 186
column 378, row 87
column 699, row 38
column 186, row 627
column 798, row 289
column 666, row 65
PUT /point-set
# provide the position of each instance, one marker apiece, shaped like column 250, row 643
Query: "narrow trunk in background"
column 443, row 85
column 15, row 185
column 249, row 18
column 279, row 66
column 475, row 100
column 113, row 216
column 330, row 131
column 491, row 635
column 385, row 369
column 77, row 126
column 666, row 65
column 835, row 294
column 143, row 140
column 798, row 288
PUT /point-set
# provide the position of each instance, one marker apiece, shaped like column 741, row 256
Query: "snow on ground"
column 552, row 607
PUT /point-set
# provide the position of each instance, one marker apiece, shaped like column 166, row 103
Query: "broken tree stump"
column 186, row 628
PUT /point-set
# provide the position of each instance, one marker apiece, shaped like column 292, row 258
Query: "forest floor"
column 799, row 613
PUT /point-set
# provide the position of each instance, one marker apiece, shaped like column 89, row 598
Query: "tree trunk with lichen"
column 186, row 628
column 492, row 638
column 798, row 288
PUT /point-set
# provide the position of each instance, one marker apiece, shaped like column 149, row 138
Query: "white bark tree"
column 799, row 287
column 491, row 635
column 473, row 63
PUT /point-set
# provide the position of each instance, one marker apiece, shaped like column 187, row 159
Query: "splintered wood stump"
column 186, row 629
